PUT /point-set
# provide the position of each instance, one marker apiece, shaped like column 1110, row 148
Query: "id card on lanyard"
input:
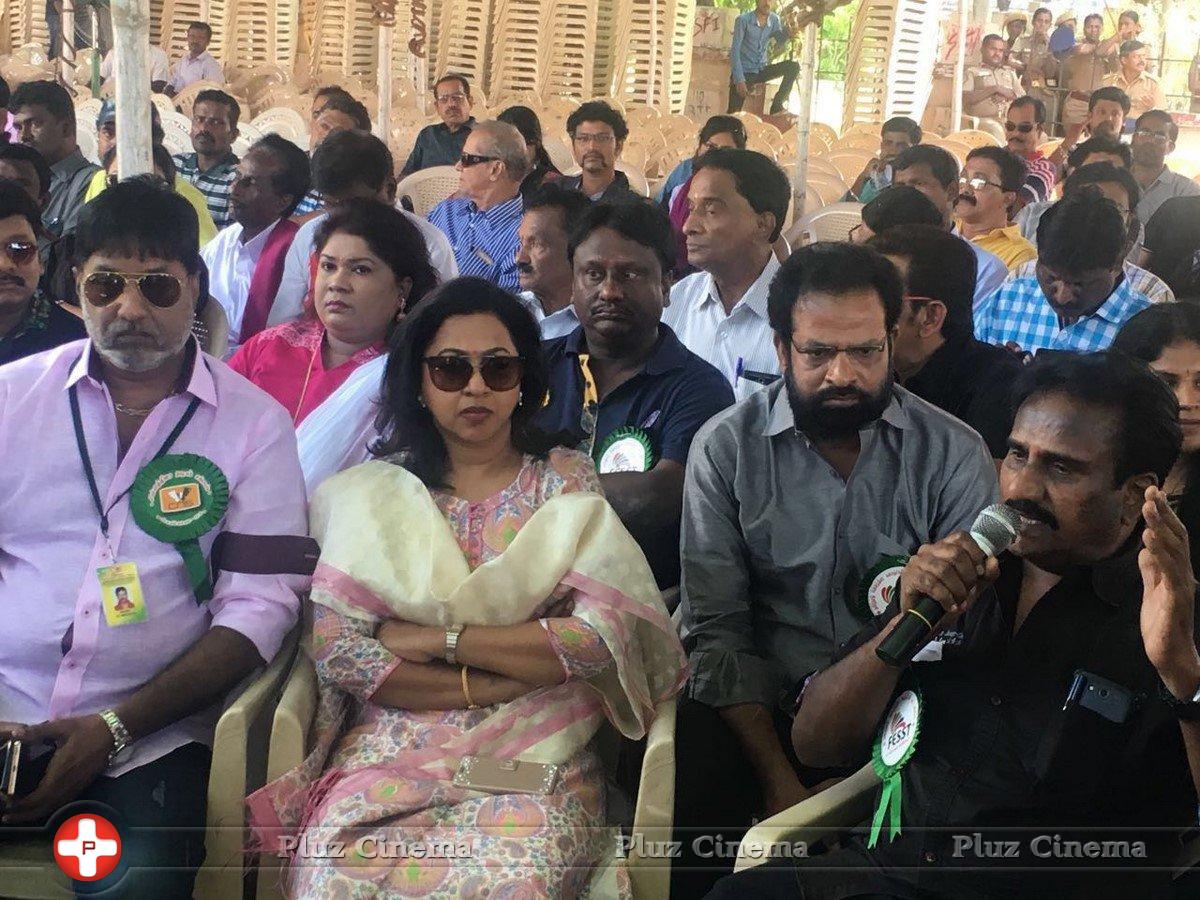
column 120, row 587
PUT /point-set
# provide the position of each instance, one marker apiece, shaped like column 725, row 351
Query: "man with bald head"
column 482, row 220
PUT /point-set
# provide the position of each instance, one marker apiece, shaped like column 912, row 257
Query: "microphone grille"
column 996, row 528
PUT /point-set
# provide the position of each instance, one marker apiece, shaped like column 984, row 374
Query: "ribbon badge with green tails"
column 894, row 747
column 625, row 450
column 176, row 499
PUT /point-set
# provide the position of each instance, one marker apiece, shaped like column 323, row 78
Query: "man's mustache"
column 965, row 198
column 525, row 268
column 840, row 394
column 1030, row 510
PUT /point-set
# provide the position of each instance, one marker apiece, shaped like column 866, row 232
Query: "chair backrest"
column 973, row 138
column 283, row 121
column 848, row 162
column 637, row 179
column 177, row 131
column 560, row 155
column 429, row 187
column 833, row 223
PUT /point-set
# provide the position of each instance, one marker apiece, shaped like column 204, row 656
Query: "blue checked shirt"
column 213, row 183
column 1019, row 312
column 311, row 203
column 484, row 241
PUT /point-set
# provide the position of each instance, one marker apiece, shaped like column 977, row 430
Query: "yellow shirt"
column 1008, row 244
column 183, row 187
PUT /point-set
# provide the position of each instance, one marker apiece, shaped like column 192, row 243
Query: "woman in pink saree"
column 479, row 614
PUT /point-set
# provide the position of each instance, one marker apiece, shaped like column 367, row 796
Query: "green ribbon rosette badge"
column 176, row 499
column 625, row 450
column 894, row 747
column 877, row 587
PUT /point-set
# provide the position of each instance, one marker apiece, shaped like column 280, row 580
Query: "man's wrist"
column 1182, row 678
column 120, row 735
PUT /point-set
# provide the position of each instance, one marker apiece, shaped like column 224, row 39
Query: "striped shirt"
column 1139, row 280
column 213, row 183
column 484, row 240
column 1019, row 312
column 738, row 343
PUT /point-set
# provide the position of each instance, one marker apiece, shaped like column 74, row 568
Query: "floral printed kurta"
column 518, row 845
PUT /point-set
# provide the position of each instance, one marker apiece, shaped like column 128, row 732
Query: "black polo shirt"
column 670, row 398
column 46, row 325
column 999, row 763
column 972, row 381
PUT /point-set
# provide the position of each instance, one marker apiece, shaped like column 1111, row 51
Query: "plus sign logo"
column 87, row 847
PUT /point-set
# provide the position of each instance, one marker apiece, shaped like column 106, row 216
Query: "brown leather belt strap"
column 264, row 554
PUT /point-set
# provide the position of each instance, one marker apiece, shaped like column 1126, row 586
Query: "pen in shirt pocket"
column 751, row 375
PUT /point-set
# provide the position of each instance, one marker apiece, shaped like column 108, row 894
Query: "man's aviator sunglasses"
column 159, row 288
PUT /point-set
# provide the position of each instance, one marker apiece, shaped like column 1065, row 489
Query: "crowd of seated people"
column 522, row 470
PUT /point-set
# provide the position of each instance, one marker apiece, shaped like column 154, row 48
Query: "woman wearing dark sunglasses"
column 478, row 606
column 371, row 266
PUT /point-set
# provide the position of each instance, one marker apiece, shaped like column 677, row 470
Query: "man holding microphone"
column 1059, row 690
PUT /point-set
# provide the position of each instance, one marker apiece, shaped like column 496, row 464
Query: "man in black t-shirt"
column 935, row 352
column 1172, row 243
column 1057, row 703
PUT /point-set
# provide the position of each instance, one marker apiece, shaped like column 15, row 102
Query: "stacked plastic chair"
column 653, row 52
column 464, row 40
column 890, row 63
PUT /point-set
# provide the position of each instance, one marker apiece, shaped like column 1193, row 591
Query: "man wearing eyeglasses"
column 30, row 321
column 987, row 194
column 1154, row 139
column 597, row 134
column 1079, row 297
column 482, row 221
column 116, row 707
column 442, row 144
column 795, row 501
column 1025, row 127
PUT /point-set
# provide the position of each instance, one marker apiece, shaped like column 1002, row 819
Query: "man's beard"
column 823, row 422
column 141, row 358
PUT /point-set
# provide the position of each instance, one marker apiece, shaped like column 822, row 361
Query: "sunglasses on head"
column 1023, row 127
column 20, row 252
column 453, row 373
column 473, row 159
column 159, row 288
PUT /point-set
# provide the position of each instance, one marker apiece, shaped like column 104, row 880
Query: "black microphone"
column 994, row 530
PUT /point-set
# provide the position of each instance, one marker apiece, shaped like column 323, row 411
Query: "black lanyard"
column 81, row 443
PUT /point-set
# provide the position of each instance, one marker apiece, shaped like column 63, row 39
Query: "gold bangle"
column 467, row 691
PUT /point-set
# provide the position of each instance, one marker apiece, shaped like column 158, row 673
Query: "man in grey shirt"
column 795, row 502
column 45, row 118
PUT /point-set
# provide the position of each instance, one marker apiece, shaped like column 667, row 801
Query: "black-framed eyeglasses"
column 817, row 356
column 453, row 373
column 466, row 160
column 161, row 289
column 1152, row 136
column 20, row 253
column 978, row 184
column 1021, row 127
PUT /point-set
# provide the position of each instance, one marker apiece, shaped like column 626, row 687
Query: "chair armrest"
column 292, row 724
column 842, row 806
column 238, row 766
column 653, row 816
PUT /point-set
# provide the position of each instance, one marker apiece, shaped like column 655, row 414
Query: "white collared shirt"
column 555, row 325
column 231, row 265
column 741, row 341
column 294, row 286
column 189, row 71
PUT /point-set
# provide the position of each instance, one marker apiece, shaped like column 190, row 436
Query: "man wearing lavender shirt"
column 126, row 685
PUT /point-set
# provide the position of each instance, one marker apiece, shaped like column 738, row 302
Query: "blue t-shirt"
column 675, row 393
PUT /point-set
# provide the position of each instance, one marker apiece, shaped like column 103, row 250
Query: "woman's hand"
column 415, row 643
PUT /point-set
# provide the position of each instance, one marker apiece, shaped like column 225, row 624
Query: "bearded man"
column 800, row 507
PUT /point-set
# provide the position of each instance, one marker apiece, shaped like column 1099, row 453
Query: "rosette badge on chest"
column 625, row 450
column 176, row 499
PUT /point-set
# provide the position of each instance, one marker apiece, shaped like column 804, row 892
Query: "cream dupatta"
column 388, row 552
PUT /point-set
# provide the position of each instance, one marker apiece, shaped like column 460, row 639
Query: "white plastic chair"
column 285, row 122
column 833, row 223
column 429, row 187
column 637, row 178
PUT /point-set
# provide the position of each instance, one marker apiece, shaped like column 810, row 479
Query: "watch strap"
column 450, row 653
column 1187, row 710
